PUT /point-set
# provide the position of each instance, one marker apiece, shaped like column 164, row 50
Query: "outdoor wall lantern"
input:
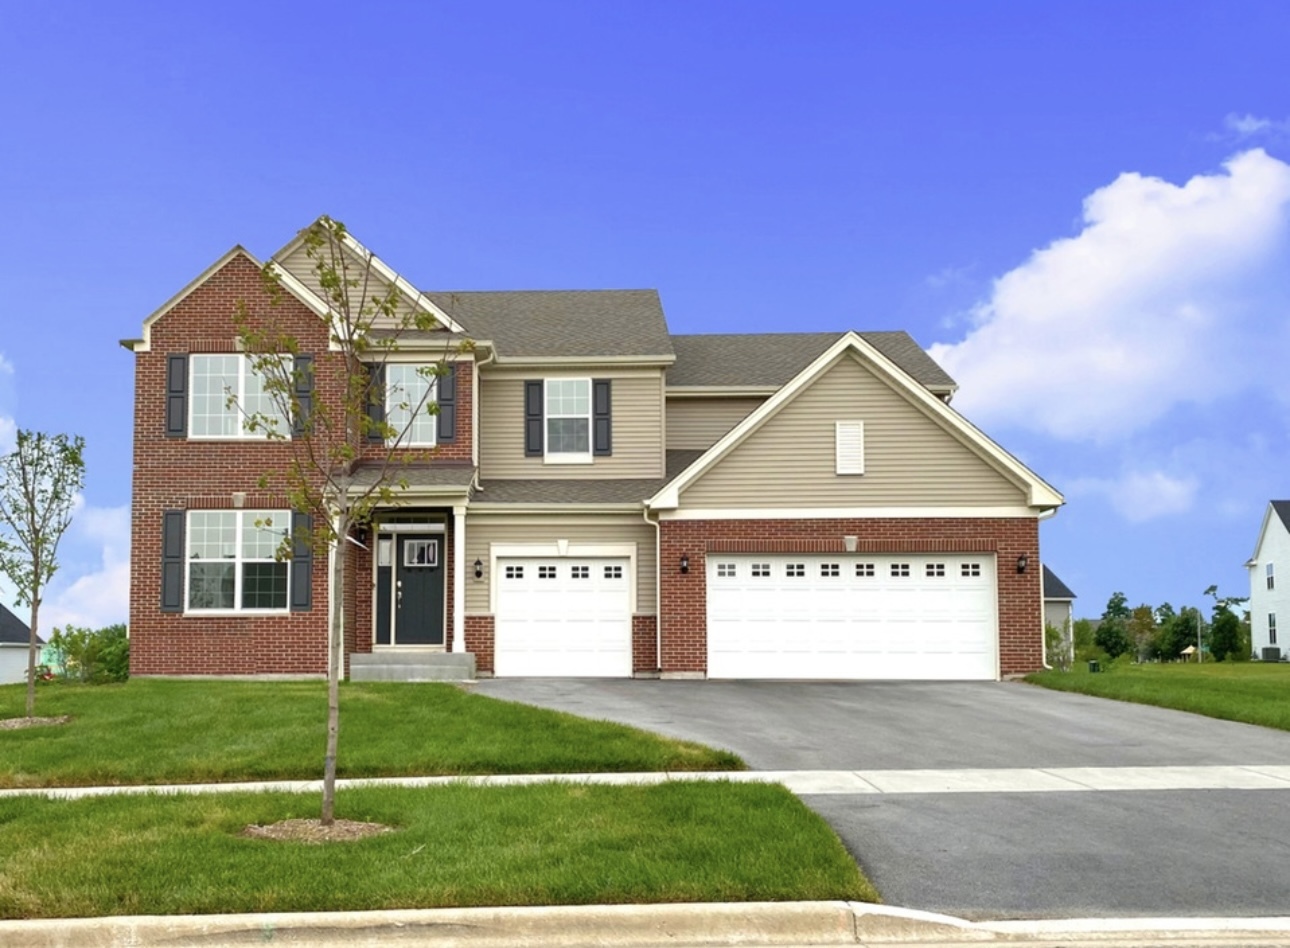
column 479, row 569
column 1022, row 562
column 685, row 563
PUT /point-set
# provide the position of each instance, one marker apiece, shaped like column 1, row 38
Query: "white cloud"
column 949, row 276
column 6, row 367
column 1142, row 495
column 1164, row 290
column 1251, row 126
column 100, row 595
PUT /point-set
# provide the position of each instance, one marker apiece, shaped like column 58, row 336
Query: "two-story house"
column 1270, row 596
column 602, row 498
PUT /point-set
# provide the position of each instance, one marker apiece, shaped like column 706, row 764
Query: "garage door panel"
column 563, row 617
column 821, row 616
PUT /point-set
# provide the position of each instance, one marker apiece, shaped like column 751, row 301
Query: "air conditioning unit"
column 1272, row 654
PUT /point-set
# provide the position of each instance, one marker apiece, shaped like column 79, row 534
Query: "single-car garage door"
column 563, row 617
column 852, row 617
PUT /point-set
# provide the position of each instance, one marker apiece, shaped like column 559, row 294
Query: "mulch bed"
column 312, row 831
column 14, row 724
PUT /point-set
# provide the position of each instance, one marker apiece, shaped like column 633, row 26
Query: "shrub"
column 93, row 657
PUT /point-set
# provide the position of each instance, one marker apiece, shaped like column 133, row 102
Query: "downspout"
column 1043, row 632
column 658, row 589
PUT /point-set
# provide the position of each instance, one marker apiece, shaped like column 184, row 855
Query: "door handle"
column 398, row 592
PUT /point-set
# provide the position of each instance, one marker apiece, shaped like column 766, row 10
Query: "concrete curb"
column 622, row 926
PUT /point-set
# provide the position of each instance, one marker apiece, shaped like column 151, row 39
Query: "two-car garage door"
column 852, row 617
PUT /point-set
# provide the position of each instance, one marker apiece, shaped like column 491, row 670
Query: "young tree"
column 1113, row 634
column 1142, row 631
column 40, row 481
column 333, row 433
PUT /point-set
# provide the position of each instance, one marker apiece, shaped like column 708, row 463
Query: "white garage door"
column 852, row 617
column 563, row 617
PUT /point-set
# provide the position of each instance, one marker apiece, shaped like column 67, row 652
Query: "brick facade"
column 644, row 644
column 1020, row 605
column 479, row 639
column 179, row 473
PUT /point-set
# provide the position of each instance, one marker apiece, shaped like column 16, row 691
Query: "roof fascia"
column 568, row 361
column 1268, row 515
column 720, row 391
column 483, row 506
column 1040, row 493
column 385, row 272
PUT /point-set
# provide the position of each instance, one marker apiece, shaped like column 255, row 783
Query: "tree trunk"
column 31, row 655
column 335, row 663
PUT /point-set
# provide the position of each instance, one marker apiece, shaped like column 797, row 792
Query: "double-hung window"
column 225, row 394
column 568, row 419
column 232, row 560
column 409, row 393
column 1272, row 579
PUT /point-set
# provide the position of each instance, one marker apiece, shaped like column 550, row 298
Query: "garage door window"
column 613, row 572
column 865, row 570
column 582, row 572
column 970, row 570
column 725, row 570
column 515, row 572
column 935, row 570
column 760, row 570
column 830, row 569
column 899, row 570
column 795, row 570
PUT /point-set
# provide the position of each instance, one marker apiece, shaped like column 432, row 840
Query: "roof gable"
column 289, row 283
column 1038, row 493
column 1276, row 516
column 1054, row 588
column 13, row 631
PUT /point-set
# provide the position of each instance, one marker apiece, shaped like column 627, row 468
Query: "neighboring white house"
column 1270, row 593
column 1059, row 603
column 14, row 639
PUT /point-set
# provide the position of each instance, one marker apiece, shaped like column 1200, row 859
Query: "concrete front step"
column 412, row 666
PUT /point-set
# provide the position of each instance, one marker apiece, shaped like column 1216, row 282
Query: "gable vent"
column 850, row 447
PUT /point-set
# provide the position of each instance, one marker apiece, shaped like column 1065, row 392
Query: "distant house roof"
column 1282, row 507
column 563, row 323
column 1054, row 588
column 13, row 631
column 773, row 359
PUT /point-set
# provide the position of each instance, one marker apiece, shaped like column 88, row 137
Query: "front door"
column 410, row 590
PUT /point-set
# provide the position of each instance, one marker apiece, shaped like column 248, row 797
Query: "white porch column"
column 459, row 580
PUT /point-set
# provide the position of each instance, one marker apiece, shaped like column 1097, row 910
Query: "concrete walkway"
column 801, row 782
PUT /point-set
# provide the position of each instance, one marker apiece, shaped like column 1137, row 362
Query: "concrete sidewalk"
column 628, row 926
column 801, row 782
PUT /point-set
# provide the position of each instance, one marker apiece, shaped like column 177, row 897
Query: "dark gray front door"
column 418, row 593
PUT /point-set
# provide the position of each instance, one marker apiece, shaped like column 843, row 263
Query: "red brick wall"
column 684, row 637
column 644, row 644
column 479, row 639
column 180, row 474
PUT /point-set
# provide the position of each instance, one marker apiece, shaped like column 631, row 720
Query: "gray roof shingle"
column 567, row 323
column 772, row 359
column 1054, row 588
column 1282, row 507
column 419, row 475
column 13, row 631
column 538, row 491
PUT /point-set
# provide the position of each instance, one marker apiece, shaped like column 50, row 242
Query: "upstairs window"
column 568, row 421
column 1272, row 580
column 225, row 392
column 409, row 392
column 568, row 418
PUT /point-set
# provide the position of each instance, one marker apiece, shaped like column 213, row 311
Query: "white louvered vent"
column 850, row 447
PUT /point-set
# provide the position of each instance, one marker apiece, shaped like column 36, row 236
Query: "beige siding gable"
column 696, row 424
column 910, row 458
column 296, row 261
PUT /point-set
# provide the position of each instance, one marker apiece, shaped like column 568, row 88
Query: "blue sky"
column 1082, row 210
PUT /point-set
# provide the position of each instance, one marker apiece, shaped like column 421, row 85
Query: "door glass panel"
column 420, row 553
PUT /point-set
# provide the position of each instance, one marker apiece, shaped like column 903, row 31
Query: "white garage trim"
column 912, row 616
column 561, row 548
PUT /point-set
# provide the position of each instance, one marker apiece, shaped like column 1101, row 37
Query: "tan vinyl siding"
column 298, row 264
column 910, row 459
column 637, row 436
column 481, row 531
column 696, row 424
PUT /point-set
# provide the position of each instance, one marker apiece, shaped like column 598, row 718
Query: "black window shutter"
column 447, row 397
column 303, row 369
column 601, row 418
column 172, row 561
column 176, row 396
column 376, row 402
column 533, row 420
column 302, row 562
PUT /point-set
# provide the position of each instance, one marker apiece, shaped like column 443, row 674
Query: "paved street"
column 995, row 853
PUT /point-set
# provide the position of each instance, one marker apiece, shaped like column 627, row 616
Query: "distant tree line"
column 1161, row 633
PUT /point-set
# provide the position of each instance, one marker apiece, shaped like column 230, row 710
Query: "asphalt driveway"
column 993, row 855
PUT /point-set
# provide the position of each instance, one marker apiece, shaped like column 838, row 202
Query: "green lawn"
column 454, row 846
column 1252, row 692
column 159, row 731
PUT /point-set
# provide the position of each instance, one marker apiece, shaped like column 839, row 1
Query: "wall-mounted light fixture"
column 479, row 569
column 360, row 534
column 1022, row 562
column 685, row 562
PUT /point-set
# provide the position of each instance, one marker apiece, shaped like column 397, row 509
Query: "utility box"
column 1271, row 654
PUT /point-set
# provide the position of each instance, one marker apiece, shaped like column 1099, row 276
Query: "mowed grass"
column 159, row 731
column 545, row 844
column 1251, row 692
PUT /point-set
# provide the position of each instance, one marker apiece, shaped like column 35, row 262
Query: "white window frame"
column 279, row 520
column 567, row 457
column 1272, row 584
column 237, row 409
column 410, row 419
column 848, row 447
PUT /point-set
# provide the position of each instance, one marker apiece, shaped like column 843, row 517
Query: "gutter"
column 658, row 589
